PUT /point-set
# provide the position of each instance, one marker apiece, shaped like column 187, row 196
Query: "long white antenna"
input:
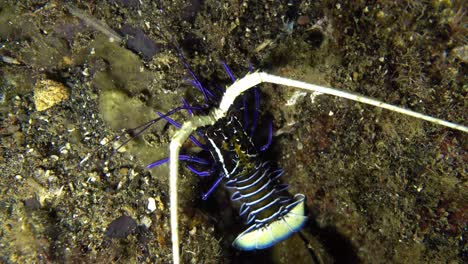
column 265, row 77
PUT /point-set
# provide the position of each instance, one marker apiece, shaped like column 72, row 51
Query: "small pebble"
column 121, row 227
column 303, row 20
column 151, row 204
column 146, row 221
column 48, row 93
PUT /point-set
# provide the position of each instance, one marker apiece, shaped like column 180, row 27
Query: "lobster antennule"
column 276, row 231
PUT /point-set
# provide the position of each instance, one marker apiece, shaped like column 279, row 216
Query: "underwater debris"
column 94, row 23
column 139, row 42
column 9, row 60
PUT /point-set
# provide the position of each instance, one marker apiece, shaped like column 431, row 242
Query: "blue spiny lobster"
column 268, row 210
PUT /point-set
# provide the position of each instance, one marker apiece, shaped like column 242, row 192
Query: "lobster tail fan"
column 276, row 230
